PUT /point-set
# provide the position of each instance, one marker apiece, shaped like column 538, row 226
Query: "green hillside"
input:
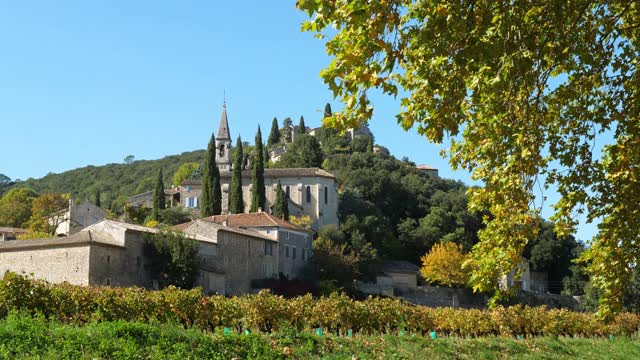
column 116, row 182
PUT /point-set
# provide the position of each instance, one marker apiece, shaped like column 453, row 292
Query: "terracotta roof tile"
column 259, row 219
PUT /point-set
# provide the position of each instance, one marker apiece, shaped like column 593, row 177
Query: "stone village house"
column 111, row 253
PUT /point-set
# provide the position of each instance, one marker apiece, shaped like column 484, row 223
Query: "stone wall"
column 321, row 211
column 56, row 264
column 240, row 257
column 300, row 247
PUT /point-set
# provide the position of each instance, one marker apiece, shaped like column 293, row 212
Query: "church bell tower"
column 223, row 142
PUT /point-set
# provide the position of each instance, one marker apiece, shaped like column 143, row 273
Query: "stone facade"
column 77, row 217
column 312, row 192
column 111, row 253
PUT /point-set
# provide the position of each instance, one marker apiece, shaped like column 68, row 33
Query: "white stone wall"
column 53, row 264
column 322, row 212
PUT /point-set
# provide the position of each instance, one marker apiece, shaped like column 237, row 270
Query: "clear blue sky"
column 87, row 83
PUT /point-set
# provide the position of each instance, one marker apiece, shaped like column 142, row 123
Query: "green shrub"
column 265, row 312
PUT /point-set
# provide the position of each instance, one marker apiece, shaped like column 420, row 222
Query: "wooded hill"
column 116, row 182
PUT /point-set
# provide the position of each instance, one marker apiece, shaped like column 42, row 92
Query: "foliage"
column 553, row 254
column 281, row 204
column 286, row 130
column 34, row 234
column 15, row 207
column 136, row 214
column 262, row 311
column 274, row 135
column 301, row 221
column 211, row 197
column 97, row 198
column 443, row 265
column 302, row 128
column 158, row 198
column 47, row 212
column 116, row 181
column 304, row 152
column 236, row 200
column 184, row 172
column 152, row 223
column 370, row 145
column 519, row 91
column 5, row 182
column 258, row 192
column 335, row 262
column 175, row 215
column 129, row 159
column 173, row 258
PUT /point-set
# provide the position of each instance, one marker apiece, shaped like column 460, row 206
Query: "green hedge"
column 266, row 312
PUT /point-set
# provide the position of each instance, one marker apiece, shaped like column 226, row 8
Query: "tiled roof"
column 12, row 230
column 82, row 237
column 252, row 220
column 399, row 266
column 425, row 167
column 219, row 226
column 275, row 173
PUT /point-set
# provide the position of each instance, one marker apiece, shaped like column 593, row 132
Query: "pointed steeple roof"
column 223, row 130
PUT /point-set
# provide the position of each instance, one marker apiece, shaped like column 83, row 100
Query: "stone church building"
column 311, row 191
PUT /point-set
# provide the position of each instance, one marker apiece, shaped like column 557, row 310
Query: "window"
column 308, row 194
column 293, row 253
column 286, row 250
column 138, row 261
column 221, row 150
column 326, row 195
column 190, row 202
column 107, row 281
column 304, row 254
column 268, row 248
column 268, row 270
column 81, row 220
column 108, row 259
column 188, row 188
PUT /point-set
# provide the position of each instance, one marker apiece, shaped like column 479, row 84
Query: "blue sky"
column 88, row 83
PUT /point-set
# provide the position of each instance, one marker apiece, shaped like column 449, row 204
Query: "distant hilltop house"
column 428, row 170
column 311, row 191
column 76, row 217
column 232, row 253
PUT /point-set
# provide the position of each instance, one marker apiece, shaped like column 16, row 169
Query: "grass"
column 26, row 337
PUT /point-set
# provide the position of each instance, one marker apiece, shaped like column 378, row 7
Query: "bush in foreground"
column 265, row 312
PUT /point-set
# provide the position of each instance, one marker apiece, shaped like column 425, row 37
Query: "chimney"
column 259, row 209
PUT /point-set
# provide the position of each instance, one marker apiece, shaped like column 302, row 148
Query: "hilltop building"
column 312, row 191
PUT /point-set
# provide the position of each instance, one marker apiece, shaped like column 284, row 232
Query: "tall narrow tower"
column 223, row 141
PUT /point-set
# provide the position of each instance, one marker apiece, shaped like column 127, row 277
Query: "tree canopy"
column 184, row 171
column 15, row 207
column 274, row 135
column 304, row 152
column 522, row 92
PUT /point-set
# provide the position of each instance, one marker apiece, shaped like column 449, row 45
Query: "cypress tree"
column 281, row 204
column 236, row 204
column 258, row 198
column 327, row 110
column 274, row 135
column 302, row 128
column 158, row 198
column 370, row 145
column 98, row 197
column 211, row 197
